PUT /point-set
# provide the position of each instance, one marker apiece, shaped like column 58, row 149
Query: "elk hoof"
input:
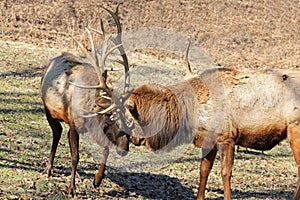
column 72, row 191
column 47, row 171
column 97, row 181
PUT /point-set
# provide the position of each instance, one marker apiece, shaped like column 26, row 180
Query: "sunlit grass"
column 25, row 140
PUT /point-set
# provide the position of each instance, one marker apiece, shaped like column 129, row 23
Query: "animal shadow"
column 150, row 186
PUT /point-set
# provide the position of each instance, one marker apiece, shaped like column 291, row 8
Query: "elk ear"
column 131, row 106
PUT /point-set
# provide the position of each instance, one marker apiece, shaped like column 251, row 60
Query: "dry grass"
column 240, row 34
column 25, row 143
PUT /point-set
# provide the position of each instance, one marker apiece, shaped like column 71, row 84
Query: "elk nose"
column 123, row 145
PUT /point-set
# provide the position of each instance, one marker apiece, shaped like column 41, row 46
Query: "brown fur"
column 219, row 109
column 67, row 103
column 166, row 121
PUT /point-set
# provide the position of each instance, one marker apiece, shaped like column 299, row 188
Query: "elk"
column 75, row 91
column 216, row 110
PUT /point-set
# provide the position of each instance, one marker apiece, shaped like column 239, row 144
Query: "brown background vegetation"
column 236, row 33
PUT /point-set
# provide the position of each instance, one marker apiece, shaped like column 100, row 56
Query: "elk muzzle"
column 122, row 142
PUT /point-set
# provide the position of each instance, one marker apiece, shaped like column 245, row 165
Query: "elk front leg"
column 56, row 132
column 74, row 145
column 100, row 174
column 294, row 139
column 205, row 167
column 226, row 150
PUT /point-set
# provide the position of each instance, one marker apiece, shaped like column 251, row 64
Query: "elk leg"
column 226, row 149
column 74, row 145
column 205, row 168
column 294, row 139
column 56, row 132
column 100, row 174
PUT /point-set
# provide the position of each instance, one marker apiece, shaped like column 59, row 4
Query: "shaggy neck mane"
column 162, row 115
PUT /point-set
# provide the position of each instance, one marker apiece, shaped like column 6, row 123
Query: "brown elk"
column 218, row 109
column 75, row 91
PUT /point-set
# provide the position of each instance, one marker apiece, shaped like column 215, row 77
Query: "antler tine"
column 95, row 60
column 95, row 114
column 88, row 86
column 115, row 16
column 96, row 31
column 110, row 108
column 189, row 71
column 106, row 54
column 102, row 27
column 104, row 48
column 118, row 40
column 99, row 65
column 102, row 61
column 95, row 63
column 84, row 51
column 91, row 39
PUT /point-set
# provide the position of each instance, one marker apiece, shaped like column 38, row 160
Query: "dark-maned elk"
column 75, row 91
column 218, row 109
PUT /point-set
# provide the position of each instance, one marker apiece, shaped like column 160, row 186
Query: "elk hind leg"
column 100, row 174
column 294, row 139
column 205, row 168
column 56, row 131
column 74, row 146
column 226, row 149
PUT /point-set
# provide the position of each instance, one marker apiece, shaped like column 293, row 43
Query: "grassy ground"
column 239, row 34
column 25, row 140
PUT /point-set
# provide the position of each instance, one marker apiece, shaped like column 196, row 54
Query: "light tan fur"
column 65, row 102
column 75, row 91
column 219, row 109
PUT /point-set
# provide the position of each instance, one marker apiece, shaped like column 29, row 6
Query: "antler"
column 189, row 71
column 118, row 40
column 102, row 112
column 127, row 92
column 99, row 65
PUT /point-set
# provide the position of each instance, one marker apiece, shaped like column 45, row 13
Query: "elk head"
column 108, row 107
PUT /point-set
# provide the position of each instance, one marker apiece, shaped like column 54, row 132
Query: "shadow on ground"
column 150, row 186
